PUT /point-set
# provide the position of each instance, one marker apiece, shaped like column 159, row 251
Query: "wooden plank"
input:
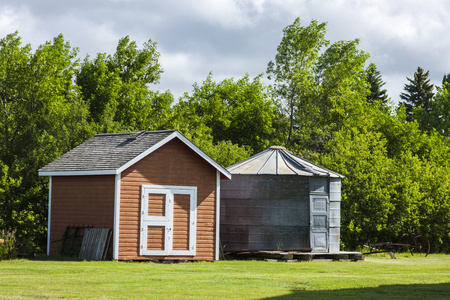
column 80, row 200
column 181, row 213
column 155, row 237
column 156, row 204
column 95, row 244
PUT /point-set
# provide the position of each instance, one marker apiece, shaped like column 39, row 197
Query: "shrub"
column 8, row 248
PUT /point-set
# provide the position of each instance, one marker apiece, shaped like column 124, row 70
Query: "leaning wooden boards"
column 95, row 244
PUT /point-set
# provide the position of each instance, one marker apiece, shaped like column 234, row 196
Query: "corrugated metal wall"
column 335, row 214
column 273, row 212
column 264, row 212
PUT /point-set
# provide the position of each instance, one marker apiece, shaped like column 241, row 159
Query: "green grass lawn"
column 379, row 277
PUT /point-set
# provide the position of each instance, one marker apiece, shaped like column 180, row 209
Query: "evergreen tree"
column 438, row 116
column 446, row 80
column 418, row 93
column 376, row 84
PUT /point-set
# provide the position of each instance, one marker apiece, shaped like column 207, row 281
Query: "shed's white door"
column 319, row 223
column 168, row 220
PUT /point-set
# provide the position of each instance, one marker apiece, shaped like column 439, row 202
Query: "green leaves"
column 293, row 72
column 335, row 112
column 324, row 104
column 239, row 111
column 41, row 117
column 317, row 88
column 437, row 115
column 396, row 182
column 116, row 87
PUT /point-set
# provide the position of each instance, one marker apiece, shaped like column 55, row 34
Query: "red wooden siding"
column 173, row 164
column 181, row 212
column 78, row 200
column 156, row 205
column 155, row 237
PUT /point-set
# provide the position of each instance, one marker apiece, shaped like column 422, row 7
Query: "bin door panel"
column 319, row 223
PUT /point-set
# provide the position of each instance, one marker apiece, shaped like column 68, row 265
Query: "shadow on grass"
column 44, row 257
column 401, row 291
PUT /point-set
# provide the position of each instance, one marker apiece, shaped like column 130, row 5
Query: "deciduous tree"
column 240, row 111
column 41, row 117
column 116, row 87
column 293, row 72
column 318, row 88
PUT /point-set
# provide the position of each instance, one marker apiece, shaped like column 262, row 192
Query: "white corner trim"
column 116, row 217
column 217, row 252
column 49, row 214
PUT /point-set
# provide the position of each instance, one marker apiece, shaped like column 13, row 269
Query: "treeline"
column 326, row 103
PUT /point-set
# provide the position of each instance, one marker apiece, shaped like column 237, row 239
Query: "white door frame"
column 167, row 219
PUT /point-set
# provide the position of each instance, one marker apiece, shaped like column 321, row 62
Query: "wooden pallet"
column 293, row 256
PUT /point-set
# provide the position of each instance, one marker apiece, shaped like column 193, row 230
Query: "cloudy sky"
column 234, row 37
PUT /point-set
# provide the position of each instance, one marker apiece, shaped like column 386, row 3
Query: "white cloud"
column 229, row 14
column 226, row 13
column 8, row 20
column 179, row 71
column 20, row 19
column 91, row 37
column 399, row 35
column 232, row 37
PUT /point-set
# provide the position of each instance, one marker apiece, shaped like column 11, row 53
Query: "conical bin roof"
column 278, row 161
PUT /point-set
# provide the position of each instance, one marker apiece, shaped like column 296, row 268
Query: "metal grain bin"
column 279, row 201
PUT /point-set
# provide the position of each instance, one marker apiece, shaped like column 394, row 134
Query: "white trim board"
column 79, row 173
column 203, row 155
column 49, row 214
column 116, row 217
column 146, row 152
column 188, row 143
column 217, row 252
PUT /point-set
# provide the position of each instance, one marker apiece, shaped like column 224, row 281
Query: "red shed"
column 156, row 190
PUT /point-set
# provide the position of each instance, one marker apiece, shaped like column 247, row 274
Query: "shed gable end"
column 173, row 164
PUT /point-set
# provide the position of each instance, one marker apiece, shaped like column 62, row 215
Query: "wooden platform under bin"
column 293, row 256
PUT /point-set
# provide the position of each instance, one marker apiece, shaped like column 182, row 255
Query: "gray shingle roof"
column 278, row 161
column 106, row 151
column 113, row 153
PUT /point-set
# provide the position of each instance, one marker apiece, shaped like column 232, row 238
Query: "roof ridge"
column 298, row 163
column 135, row 132
column 248, row 159
column 314, row 164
